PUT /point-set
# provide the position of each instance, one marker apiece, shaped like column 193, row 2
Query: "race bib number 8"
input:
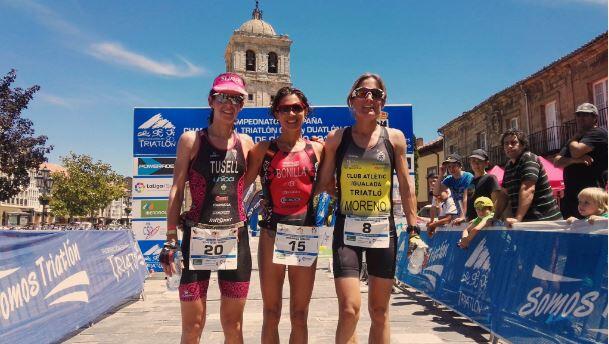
column 296, row 245
column 213, row 249
column 372, row 232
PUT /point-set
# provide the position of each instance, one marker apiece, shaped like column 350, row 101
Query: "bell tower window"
column 272, row 62
column 250, row 61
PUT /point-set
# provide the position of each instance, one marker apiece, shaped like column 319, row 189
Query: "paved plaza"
column 156, row 318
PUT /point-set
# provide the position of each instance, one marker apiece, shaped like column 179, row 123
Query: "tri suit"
column 287, row 185
column 216, row 180
column 365, row 184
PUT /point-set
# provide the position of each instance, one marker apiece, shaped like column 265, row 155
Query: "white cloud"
column 116, row 53
column 56, row 100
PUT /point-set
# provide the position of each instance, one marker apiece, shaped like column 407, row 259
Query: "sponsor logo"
column 155, row 166
column 139, row 187
column 154, row 208
column 380, row 155
column 221, row 198
column 154, row 187
column 541, row 302
column 223, row 179
column 48, row 279
column 221, row 212
column 219, row 220
column 289, row 199
column 221, row 205
column 149, row 230
column 156, row 132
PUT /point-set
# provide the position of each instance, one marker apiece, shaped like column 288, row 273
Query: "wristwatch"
column 413, row 229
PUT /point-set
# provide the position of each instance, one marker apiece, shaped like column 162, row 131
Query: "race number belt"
column 213, row 247
column 371, row 232
column 296, row 245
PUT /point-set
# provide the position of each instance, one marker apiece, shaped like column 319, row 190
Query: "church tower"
column 261, row 57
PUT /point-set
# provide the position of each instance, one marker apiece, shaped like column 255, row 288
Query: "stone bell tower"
column 261, row 56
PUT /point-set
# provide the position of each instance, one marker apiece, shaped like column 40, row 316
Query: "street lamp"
column 44, row 182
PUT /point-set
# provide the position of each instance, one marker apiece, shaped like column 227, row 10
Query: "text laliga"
column 556, row 303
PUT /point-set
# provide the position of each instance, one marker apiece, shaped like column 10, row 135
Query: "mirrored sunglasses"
column 362, row 92
column 296, row 108
column 224, row 98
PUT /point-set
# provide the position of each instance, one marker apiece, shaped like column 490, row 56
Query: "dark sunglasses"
column 296, row 108
column 584, row 114
column 224, row 98
column 362, row 92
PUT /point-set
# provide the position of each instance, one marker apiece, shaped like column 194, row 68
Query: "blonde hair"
column 598, row 197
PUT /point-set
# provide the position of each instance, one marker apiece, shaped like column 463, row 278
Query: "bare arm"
column 407, row 193
column 563, row 161
column 525, row 198
column 325, row 175
column 187, row 145
column 500, row 200
column 579, row 149
column 439, row 187
column 254, row 162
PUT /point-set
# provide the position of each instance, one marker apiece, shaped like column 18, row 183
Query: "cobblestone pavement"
column 156, row 318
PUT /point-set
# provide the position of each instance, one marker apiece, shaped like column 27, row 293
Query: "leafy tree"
column 85, row 187
column 20, row 150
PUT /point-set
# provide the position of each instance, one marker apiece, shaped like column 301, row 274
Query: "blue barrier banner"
column 538, row 281
column 53, row 283
column 157, row 130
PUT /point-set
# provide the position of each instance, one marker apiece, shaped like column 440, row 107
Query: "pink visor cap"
column 229, row 82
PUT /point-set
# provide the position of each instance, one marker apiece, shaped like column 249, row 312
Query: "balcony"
column 548, row 141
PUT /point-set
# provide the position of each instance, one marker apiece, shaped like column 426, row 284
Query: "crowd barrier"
column 536, row 282
column 54, row 283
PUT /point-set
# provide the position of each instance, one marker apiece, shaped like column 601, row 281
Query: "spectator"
column 526, row 182
column 445, row 207
column 483, row 184
column 584, row 159
column 484, row 211
column 432, row 179
column 457, row 182
column 592, row 205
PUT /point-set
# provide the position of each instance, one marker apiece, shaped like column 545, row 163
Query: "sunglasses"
column 362, row 92
column 224, row 98
column 295, row 108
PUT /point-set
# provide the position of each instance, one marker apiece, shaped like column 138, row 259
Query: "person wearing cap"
column 484, row 212
column 526, row 182
column 457, row 181
column 204, row 157
column 583, row 158
column 483, row 184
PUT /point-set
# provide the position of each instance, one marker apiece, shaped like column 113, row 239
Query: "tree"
column 85, row 187
column 20, row 150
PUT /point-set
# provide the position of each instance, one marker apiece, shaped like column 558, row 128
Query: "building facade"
column 542, row 105
column 431, row 156
column 262, row 57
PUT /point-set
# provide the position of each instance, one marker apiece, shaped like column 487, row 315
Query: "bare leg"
column 231, row 317
column 379, row 294
column 301, row 287
column 349, row 303
column 271, row 285
column 193, row 320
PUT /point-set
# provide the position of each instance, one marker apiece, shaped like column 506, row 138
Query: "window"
column 481, row 140
column 451, row 149
column 512, row 123
column 599, row 92
column 250, row 60
column 550, row 114
column 250, row 96
column 272, row 62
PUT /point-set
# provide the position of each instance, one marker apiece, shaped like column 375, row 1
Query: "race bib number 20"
column 213, row 249
column 371, row 232
column 296, row 245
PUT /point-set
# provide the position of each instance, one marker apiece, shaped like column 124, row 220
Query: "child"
column 484, row 209
column 447, row 211
column 592, row 205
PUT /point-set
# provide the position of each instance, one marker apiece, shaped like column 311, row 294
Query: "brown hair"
column 363, row 77
column 286, row 91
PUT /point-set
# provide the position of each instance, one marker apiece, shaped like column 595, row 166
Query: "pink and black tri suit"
column 216, row 178
column 287, row 185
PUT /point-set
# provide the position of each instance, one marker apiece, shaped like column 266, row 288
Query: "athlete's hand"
column 458, row 221
column 510, row 221
column 166, row 257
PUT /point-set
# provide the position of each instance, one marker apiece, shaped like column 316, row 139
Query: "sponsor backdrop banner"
column 150, row 208
column 149, row 229
column 543, row 281
column 53, row 283
column 157, row 131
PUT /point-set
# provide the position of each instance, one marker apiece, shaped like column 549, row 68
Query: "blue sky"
column 96, row 60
